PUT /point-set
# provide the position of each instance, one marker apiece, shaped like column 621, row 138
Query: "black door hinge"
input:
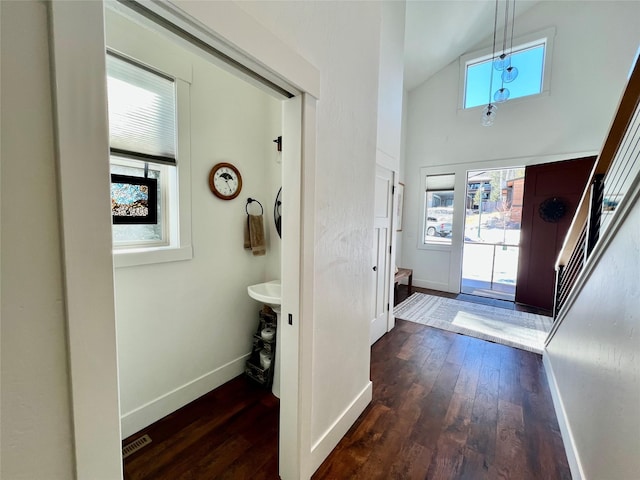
column 389, row 249
column 393, row 189
column 387, row 307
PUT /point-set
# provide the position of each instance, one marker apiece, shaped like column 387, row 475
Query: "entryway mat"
column 526, row 331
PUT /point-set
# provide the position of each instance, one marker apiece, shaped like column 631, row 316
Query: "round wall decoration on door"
column 552, row 209
column 225, row 181
column 277, row 212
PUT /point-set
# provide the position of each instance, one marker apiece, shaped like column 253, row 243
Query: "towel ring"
column 250, row 200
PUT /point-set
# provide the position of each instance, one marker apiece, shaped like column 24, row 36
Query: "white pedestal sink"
column 270, row 293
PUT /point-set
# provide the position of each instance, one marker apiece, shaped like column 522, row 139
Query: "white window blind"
column 142, row 112
column 440, row 182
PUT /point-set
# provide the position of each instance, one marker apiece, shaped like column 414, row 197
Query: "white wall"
column 342, row 40
column 402, row 177
column 390, row 84
column 186, row 327
column 36, row 419
column 594, row 45
column 594, row 361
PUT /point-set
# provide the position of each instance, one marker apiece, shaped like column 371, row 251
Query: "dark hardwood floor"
column 229, row 433
column 445, row 406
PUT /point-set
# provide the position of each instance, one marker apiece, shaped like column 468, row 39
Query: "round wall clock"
column 225, row 181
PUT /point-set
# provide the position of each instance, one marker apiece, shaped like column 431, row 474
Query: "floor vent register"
column 136, row 445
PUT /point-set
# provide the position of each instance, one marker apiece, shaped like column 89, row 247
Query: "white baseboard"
column 328, row 441
column 145, row 415
column 443, row 287
column 563, row 422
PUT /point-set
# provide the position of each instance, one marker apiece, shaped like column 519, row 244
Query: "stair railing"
column 615, row 173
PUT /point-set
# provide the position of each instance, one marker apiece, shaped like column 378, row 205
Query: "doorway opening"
column 223, row 116
column 492, row 232
column 78, row 55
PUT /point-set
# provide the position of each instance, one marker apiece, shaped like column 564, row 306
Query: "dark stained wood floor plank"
column 484, row 416
column 511, row 458
column 356, row 447
column 435, row 405
column 510, row 389
column 411, row 463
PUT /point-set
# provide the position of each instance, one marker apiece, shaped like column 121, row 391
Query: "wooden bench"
column 400, row 274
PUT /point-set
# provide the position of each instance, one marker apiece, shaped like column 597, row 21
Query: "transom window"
column 528, row 59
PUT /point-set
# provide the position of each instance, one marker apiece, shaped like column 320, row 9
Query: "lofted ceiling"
column 437, row 32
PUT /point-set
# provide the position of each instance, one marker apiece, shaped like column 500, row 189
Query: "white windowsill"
column 146, row 256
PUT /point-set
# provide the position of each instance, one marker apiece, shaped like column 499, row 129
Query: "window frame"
column 523, row 42
column 422, row 242
column 177, row 246
column 168, row 188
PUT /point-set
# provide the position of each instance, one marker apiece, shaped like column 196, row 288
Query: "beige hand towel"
column 254, row 235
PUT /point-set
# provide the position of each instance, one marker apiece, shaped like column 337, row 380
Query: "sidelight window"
column 439, row 195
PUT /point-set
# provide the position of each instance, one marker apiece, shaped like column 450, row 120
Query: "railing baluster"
column 595, row 212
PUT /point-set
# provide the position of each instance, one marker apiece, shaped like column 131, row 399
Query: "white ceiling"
column 437, row 32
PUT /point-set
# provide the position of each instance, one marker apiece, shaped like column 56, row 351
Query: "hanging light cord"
column 493, row 54
column 503, row 56
column 513, row 20
column 506, row 29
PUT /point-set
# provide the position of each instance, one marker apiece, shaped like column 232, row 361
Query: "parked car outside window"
column 437, row 227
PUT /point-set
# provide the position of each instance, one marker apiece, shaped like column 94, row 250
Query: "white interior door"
column 383, row 222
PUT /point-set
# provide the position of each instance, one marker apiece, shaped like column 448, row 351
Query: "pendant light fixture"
column 501, row 63
column 509, row 73
column 489, row 112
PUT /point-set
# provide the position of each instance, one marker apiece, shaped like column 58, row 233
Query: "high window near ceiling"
column 480, row 80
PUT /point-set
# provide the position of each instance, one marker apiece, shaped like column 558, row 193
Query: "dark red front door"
column 540, row 240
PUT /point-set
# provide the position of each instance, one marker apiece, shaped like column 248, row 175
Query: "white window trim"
column 525, row 41
column 179, row 219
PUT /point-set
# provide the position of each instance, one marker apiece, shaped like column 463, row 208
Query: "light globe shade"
column 488, row 115
column 502, row 62
column 501, row 95
column 509, row 74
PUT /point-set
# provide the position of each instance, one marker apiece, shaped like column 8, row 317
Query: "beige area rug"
column 526, row 331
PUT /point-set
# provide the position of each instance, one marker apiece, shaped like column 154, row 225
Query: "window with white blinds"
column 142, row 112
column 438, row 223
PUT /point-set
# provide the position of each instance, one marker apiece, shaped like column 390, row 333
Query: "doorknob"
column 375, row 268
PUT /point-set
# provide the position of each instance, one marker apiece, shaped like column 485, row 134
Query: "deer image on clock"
column 225, row 181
